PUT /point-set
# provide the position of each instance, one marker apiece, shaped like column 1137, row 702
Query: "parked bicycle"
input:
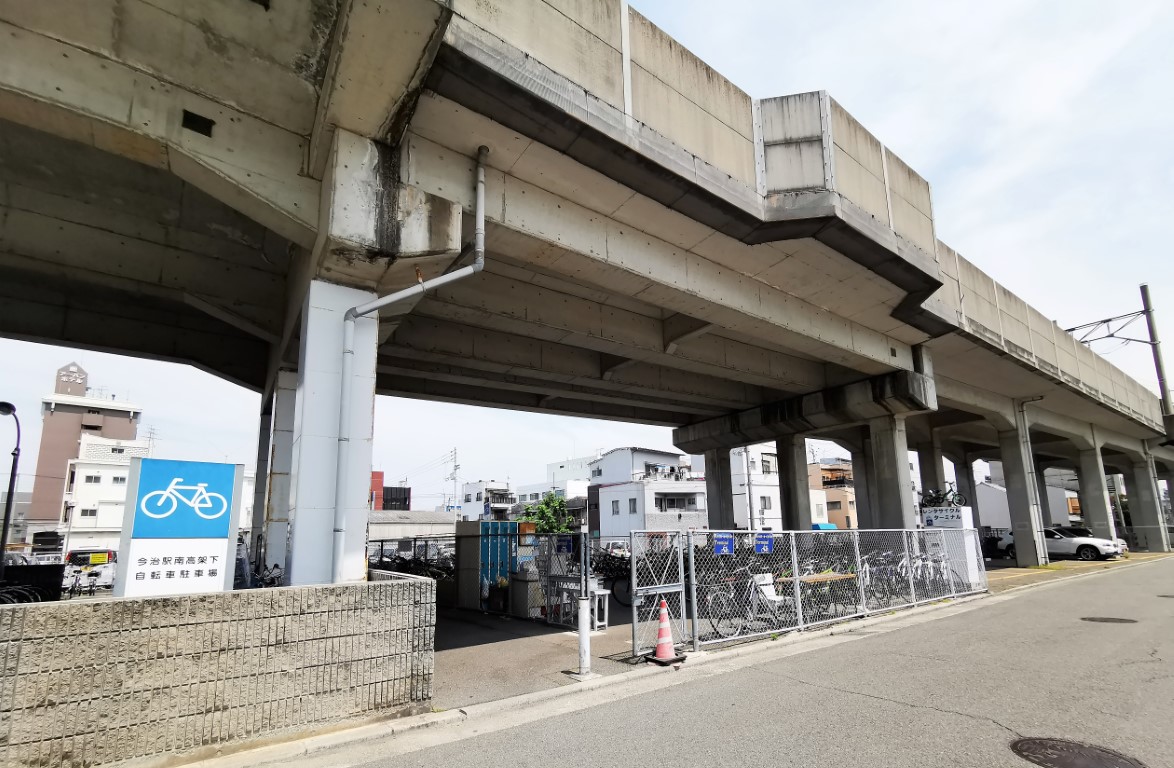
column 949, row 497
column 614, row 571
column 743, row 598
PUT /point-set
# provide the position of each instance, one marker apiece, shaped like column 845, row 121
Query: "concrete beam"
column 461, row 375
column 678, row 328
column 465, row 394
column 379, row 56
column 251, row 165
column 499, row 303
column 900, row 392
column 440, row 341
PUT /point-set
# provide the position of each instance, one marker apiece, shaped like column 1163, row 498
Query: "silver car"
column 1061, row 543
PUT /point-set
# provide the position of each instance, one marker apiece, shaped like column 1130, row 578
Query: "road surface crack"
column 911, row 705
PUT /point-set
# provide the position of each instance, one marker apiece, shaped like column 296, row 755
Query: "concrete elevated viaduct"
column 218, row 181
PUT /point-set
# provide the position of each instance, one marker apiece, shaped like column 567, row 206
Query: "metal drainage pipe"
column 348, row 357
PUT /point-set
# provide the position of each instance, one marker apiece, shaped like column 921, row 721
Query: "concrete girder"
column 896, row 393
column 379, row 56
column 997, row 410
column 556, row 234
column 439, row 341
column 463, row 394
column 678, row 328
column 247, row 163
column 431, row 371
column 493, row 302
column 79, row 313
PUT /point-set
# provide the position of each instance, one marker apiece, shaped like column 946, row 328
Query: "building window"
column 597, row 472
column 631, row 506
column 89, row 512
column 615, row 506
column 851, row 504
column 833, row 506
column 119, row 480
column 534, row 497
column 767, row 467
column 847, row 521
column 118, row 450
column 764, row 502
column 93, row 479
column 754, row 465
column 819, row 509
column 692, row 501
column 468, row 497
column 478, row 495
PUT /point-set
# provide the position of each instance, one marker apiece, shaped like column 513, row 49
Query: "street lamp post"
column 8, row 409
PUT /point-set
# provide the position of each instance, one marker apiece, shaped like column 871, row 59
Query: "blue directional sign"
column 723, row 543
column 764, row 543
column 183, row 500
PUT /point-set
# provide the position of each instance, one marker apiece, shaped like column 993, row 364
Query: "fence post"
column 909, row 565
column 584, row 607
column 859, row 571
column 693, row 612
column 795, row 582
column 635, row 594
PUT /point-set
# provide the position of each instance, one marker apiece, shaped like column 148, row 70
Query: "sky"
column 1043, row 128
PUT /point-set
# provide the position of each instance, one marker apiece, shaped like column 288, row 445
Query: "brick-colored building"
column 67, row 414
column 835, row 479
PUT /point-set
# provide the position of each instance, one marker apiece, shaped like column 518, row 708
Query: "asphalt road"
column 953, row 691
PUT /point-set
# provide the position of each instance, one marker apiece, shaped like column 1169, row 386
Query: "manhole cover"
column 1059, row 753
column 1108, row 620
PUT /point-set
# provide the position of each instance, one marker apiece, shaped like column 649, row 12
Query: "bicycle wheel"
column 726, row 618
column 621, row 590
column 216, row 504
column 959, row 500
column 158, row 504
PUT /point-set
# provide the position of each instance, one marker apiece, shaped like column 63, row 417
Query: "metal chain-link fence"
column 658, row 573
column 744, row 584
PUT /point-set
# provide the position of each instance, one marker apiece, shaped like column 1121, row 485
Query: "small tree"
column 548, row 515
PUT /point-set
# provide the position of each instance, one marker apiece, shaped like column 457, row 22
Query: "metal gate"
column 658, row 573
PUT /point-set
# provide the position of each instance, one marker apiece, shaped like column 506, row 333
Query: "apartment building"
column 644, row 489
column 754, row 475
column 487, row 500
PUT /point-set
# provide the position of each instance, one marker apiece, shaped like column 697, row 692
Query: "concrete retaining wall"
column 90, row 683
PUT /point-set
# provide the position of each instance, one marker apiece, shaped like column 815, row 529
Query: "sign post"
column 179, row 528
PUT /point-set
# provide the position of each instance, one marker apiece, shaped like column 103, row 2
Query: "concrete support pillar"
column 793, row 485
column 865, row 485
column 930, row 465
column 1022, row 497
column 260, row 490
column 1094, row 495
column 316, row 437
column 1149, row 524
column 274, row 530
column 1045, row 503
column 719, row 491
column 964, row 479
column 894, row 482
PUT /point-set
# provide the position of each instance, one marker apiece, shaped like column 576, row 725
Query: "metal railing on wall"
column 731, row 585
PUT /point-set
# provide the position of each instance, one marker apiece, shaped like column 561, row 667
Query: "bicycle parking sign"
column 179, row 528
column 183, row 500
column 764, row 543
column 723, row 543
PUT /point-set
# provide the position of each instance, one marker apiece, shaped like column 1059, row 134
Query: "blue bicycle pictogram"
column 183, row 500
column 164, row 503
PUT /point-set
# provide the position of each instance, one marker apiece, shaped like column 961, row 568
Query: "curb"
column 1081, row 575
column 302, row 746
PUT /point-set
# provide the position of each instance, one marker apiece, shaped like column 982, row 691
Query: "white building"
column 486, row 500
column 992, row 509
column 754, row 474
column 95, row 492
column 643, row 489
column 567, row 479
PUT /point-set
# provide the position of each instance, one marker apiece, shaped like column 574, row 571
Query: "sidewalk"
column 1002, row 577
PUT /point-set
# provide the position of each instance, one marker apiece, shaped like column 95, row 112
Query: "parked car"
column 1087, row 532
column 618, row 548
column 1062, row 544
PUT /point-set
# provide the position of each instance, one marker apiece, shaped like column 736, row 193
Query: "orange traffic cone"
column 665, row 651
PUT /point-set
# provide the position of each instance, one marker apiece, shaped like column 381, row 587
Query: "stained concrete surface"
column 483, row 657
column 953, row 691
column 1003, row 575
